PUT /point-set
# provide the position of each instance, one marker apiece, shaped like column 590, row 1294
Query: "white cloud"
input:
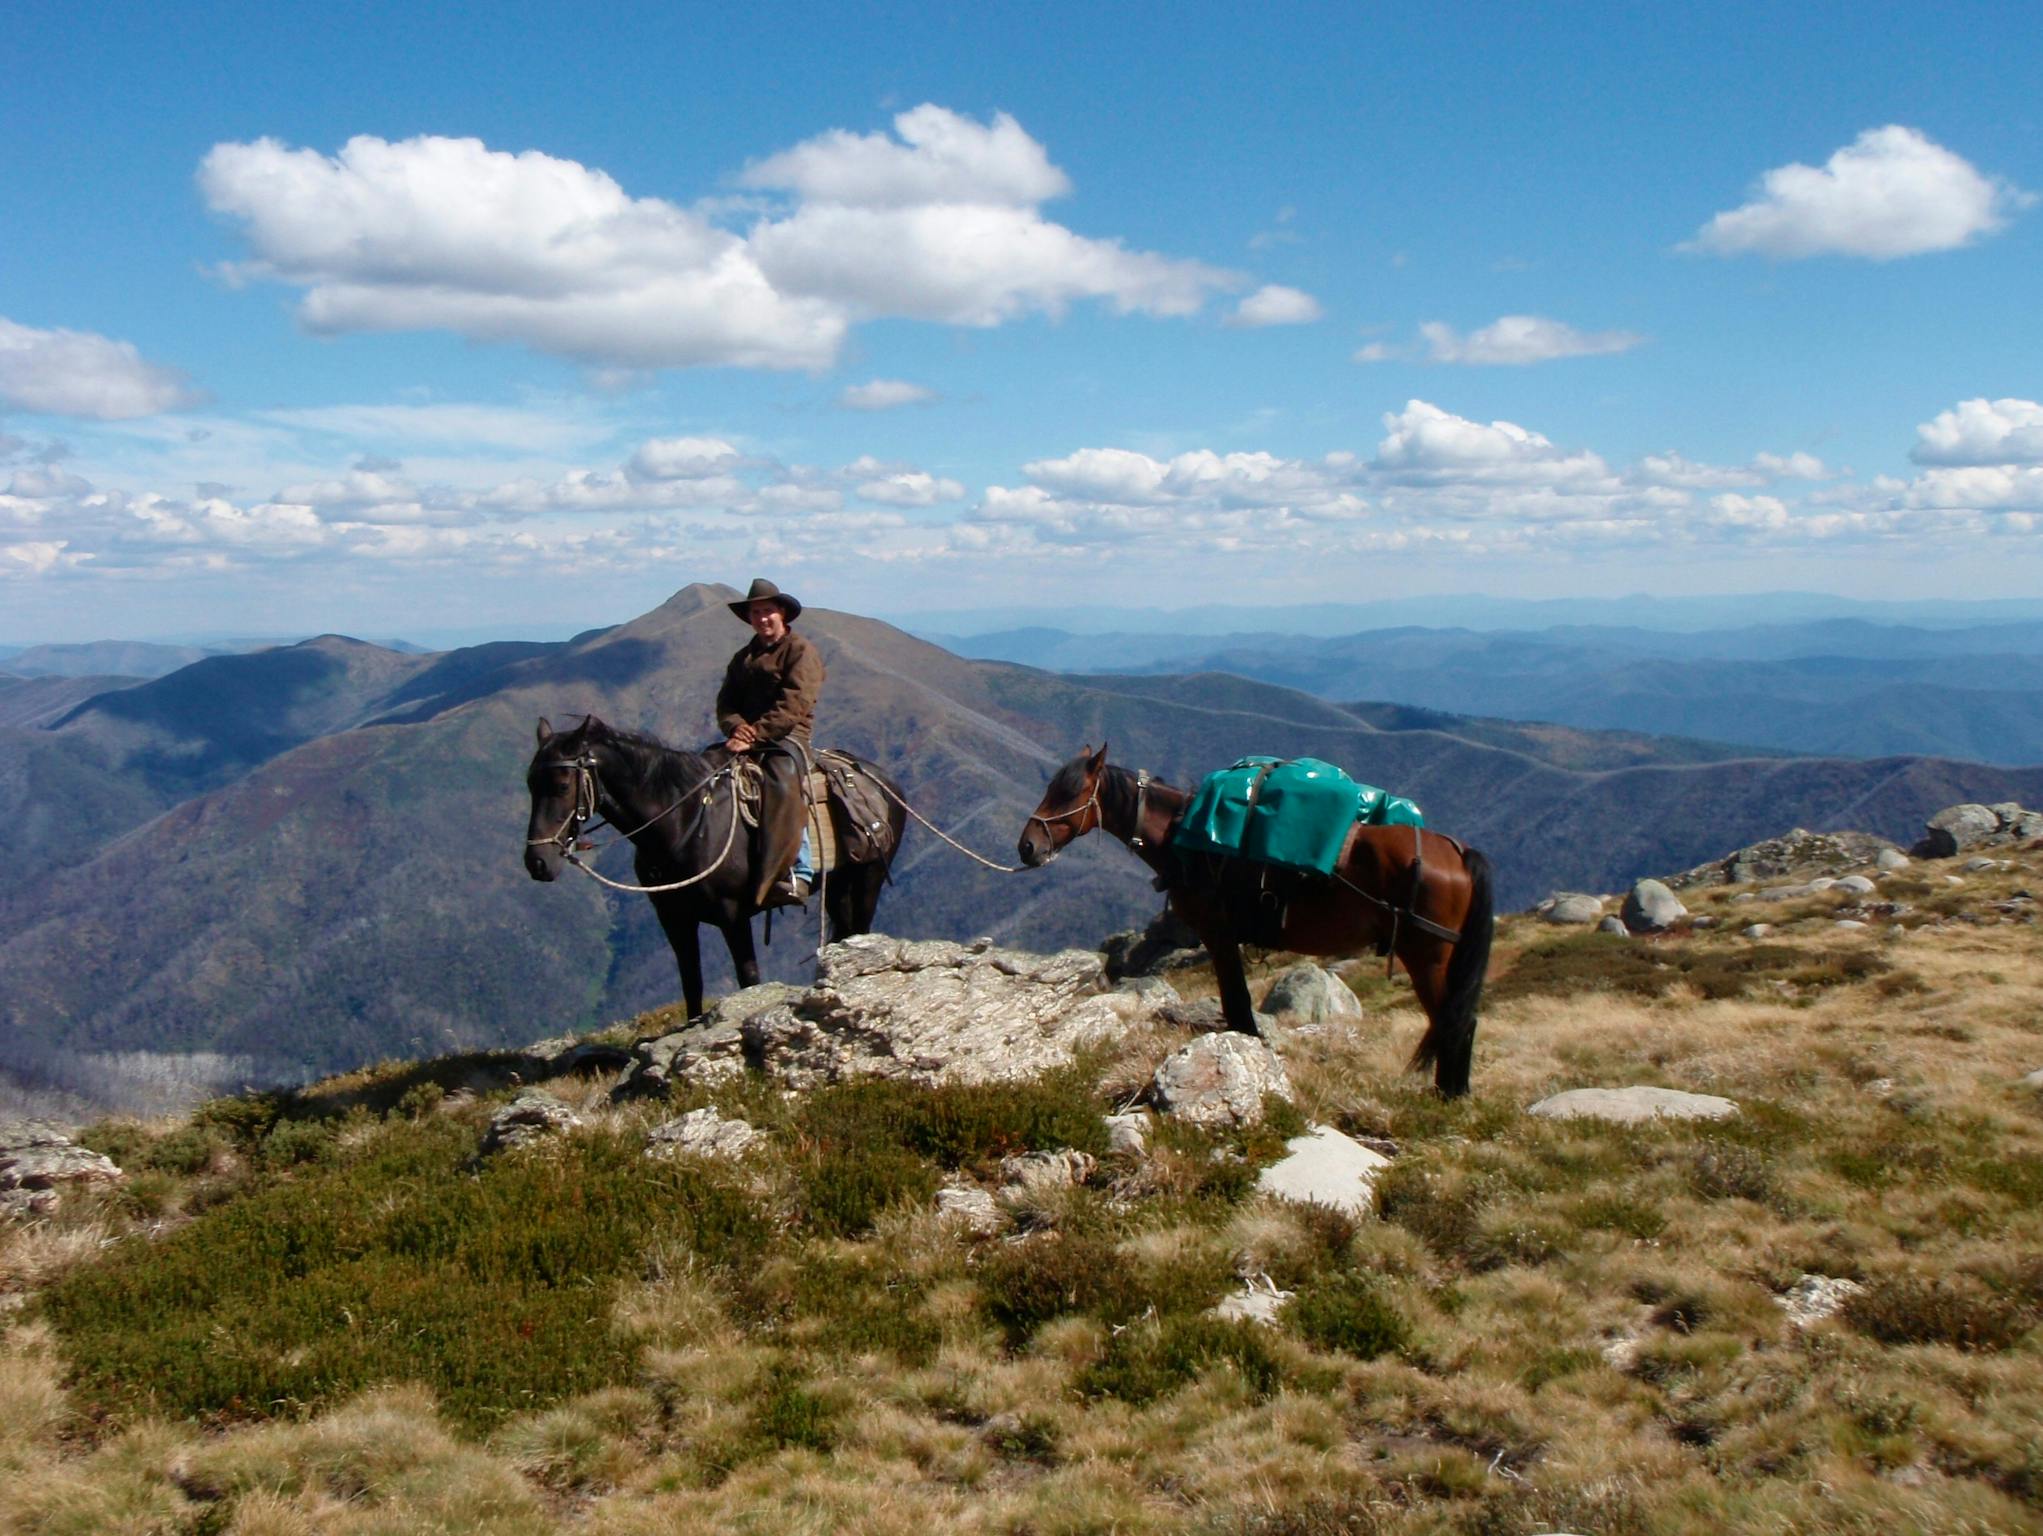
column 1515, row 340
column 77, row 373
column 1671, row 469
column 1982, row 432
column 1792, row 466
column 1891, row 192
column 1274, row 304
column 682, row 458
column 911, row 488
column 939, row 157
column 1980, row 488
column 1378, row 352
column 432, row 233
column 1425, row 442
column 884, row 395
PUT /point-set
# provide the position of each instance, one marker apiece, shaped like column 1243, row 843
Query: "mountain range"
column 1839, row 687
column 296, row 860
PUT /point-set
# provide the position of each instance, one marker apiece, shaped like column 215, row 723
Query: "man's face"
column 768, row 619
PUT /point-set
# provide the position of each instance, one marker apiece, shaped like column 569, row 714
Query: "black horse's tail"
column 1448, row 1045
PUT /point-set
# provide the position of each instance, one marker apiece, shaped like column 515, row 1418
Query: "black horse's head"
column 562, row 779
column 1070, row 808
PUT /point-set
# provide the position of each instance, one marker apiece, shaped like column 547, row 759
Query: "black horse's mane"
column 649, row 763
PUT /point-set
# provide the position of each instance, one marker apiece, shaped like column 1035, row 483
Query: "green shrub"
column 1154, row 1358
column 247, row 1119
column 292, row 1142
column 1351, row 1314
column 1616, row 1213
column 1026, row 1284
column 1957, row 1312
column 189, row 1150
column 1601, row 962
column 961, row 1125
column 399, row 1261
column 842, row 1193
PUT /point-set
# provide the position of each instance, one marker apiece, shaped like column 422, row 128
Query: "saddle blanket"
column 1293, row 812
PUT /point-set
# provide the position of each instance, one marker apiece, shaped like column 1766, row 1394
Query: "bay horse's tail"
column 1448, row 1046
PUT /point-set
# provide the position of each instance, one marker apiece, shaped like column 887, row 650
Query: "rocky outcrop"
column 532, row 1116
column 1797, row 853
column 1815, row 1297
column 37, row 1163
column 1167, row 944
column 702, row 1133
column 1961, row 828
column 1219, row 1080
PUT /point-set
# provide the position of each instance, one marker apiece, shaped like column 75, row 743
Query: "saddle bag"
column 865, row 825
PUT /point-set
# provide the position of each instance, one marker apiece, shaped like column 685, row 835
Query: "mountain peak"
column 698, row 595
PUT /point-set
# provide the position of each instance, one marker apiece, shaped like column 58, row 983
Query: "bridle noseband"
column 1091, row 803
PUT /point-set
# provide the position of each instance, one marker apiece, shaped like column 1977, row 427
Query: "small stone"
column 1879, row 1087
column 1128, row 1135
column 1651, row 908
column 1705, row 921
column 532, row 1116
column 1572, row 907
column 702, row 1133
column 1891, row 859
column 2034, row 1079
column 1035, row 1173
column 1980, row 866
column 1309, row 994
column 1253, row 1304
column 1758, row 930
column 1848, row 922
column 970, row 1207
column 1815, row 1297
column 1324, row 1167
column 1219, row 1079
column 1632, row 1106
column 1857, row 885
column 1614, row 925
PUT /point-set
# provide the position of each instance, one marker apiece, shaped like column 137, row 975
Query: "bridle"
column 588, row 796
column 1090, row 803
column 587, row 792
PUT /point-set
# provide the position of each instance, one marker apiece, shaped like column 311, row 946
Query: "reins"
column 588, row 802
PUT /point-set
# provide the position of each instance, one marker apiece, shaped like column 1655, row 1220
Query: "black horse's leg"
column 853, row 895
column 1227, row 970
column 680, row 926
column 737, row 932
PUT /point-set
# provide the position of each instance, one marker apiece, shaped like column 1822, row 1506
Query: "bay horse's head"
column 1070, row 808
column 562, row 779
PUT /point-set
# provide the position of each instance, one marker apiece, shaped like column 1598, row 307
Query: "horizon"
column 1694, row 306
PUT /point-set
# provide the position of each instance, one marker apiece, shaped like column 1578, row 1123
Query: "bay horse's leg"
column 1227, row 970
column 680, row 926
column 1448, row 981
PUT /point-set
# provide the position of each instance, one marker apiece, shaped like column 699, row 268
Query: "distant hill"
column 103, row 658
column 309, row 858
column 1842, row 687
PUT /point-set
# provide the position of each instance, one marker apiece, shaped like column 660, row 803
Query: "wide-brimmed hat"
column 762, row 588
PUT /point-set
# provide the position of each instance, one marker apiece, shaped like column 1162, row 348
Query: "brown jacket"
column 775, row 688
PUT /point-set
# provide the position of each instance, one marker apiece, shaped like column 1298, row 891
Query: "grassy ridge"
column 322, row 1314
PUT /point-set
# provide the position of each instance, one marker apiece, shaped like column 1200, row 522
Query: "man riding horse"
column 766, row 708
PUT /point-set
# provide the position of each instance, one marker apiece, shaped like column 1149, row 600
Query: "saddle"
column 776, row 801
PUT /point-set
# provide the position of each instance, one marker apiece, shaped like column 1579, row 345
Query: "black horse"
column 680, row 811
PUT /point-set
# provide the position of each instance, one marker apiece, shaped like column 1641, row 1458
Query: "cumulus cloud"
column 1274, row 304
column 884, row 395
column 1891, row 192
column 1516, row 340
column 1425, row 442
column 910, row 488
column 938, row 222
column 682, row 458
column 1982, row 432
column 1791, row 466
column 77, row 373
column 936, row 157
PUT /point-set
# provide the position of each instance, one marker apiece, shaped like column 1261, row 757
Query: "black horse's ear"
column 545, row 731
column 591, row 725
column 1099, row 759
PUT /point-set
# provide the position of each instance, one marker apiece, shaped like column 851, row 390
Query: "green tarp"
column 1293, row 812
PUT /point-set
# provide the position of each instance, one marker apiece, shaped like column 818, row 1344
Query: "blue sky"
column 389, row 318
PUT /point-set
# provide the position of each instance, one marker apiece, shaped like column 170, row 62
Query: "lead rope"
column 1005, row 869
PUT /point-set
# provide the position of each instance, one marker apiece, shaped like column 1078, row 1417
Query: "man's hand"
column 741, row 739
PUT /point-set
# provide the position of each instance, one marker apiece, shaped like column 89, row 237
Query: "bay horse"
column 680, row 811
column 1419, row 895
